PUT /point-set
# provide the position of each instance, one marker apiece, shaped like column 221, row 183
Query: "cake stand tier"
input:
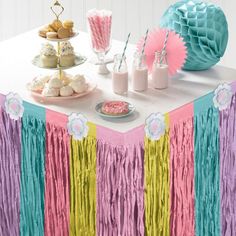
column 79, row 60
column 76, row 33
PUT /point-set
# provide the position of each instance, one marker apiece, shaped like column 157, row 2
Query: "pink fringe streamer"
column 120, row 184
column 57, row 207
column 182, row 172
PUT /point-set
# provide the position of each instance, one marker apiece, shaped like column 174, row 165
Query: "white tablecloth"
column 16, row 70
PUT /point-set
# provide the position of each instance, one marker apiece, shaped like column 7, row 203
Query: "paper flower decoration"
column 14, row 106
column 155, row 126
column 77, row 126
column 204, row 28
column 175, row 49
column 223, row 96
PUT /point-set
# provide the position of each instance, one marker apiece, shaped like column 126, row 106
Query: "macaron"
column 68, row 24
column 56, row 25
column 52, row 35
column 63, row 33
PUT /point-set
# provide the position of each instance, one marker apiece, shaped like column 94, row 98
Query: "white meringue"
column 66, row 91
column 50, row 92
column 55, row 83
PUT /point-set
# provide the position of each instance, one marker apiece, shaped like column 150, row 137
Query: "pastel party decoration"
column 155, row 126
column 175, row 49
column 77, row 126
column 128, row 183
column 100, row 27
column 204, row 29
column 222, row 96
column 14, row 106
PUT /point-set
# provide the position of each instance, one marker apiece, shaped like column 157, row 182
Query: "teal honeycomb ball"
column 204, row 29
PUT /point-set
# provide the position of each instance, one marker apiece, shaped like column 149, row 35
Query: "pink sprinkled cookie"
column 115, row 108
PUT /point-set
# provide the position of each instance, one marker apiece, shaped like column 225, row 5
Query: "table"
column 116, row 181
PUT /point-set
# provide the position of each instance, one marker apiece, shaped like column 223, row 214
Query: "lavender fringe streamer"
column 182, row 179
column 120, row 190
column 228, row 169
column 207, row 170
column 10, row 149
column 32, row 177
column 57, row 202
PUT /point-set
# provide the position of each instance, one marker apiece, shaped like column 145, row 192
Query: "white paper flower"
column 155, row 126
column 77, row 126
column 14, row 106
column 223, row 96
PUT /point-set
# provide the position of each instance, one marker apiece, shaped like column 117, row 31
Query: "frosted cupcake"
column 67, row 55
column 48, row 56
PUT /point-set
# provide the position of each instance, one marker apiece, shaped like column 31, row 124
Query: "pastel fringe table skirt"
column 113, row 183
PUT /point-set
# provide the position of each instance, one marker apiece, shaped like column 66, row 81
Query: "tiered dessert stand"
column 57, row 10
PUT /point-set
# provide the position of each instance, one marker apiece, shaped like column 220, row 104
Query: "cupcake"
column 48, row 56
column 67, row 55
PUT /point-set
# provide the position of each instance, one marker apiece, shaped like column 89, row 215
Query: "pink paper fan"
column 175, row 49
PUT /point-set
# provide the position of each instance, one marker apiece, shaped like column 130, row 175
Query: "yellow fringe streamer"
column 83, row 185
column 157, row 185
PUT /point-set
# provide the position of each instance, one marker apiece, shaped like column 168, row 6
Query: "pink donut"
column 115, row 108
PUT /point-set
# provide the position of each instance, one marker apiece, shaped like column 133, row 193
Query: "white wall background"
column 17, row 16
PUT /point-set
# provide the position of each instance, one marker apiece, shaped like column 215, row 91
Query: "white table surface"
column 16, row 70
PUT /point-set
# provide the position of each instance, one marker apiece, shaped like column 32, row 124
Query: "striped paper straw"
column 144, row 45
column 164, row 47
column 123, row 54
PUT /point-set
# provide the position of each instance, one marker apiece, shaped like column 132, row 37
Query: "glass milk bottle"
column 160, row 71
column 120, row 75
column 140, row 72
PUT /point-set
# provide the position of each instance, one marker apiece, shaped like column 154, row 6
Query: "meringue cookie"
column 38, row 83
column 55, row 83
column 79, row 78
column 66, row 91
column 66, row 80
column 50, row 92
column 78, row 84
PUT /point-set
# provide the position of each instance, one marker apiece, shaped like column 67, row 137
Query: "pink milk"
column 120, row 82
column 160, row 76
column 140, row 79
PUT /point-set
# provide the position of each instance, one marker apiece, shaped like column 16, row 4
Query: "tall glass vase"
column 99, row 26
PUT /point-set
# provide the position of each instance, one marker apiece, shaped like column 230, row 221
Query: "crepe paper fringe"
column 206, row 170
column 10, row 151
column 228, row 169
column 120, row 190
column 83, row 187
column 32, row 176
column 182, row 178
column 57, row 206
column 157, row 186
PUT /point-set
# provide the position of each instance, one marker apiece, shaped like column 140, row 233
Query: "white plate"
column 62, row 40
column 98, row 109
column 39, row 97
column 78, row 61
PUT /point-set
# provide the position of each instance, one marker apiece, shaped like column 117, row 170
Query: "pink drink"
column 140, row 79
column 120, row 82
column 160, row 76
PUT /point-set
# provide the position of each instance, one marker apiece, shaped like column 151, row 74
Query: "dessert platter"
column 59, row 85
column 114, row 109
